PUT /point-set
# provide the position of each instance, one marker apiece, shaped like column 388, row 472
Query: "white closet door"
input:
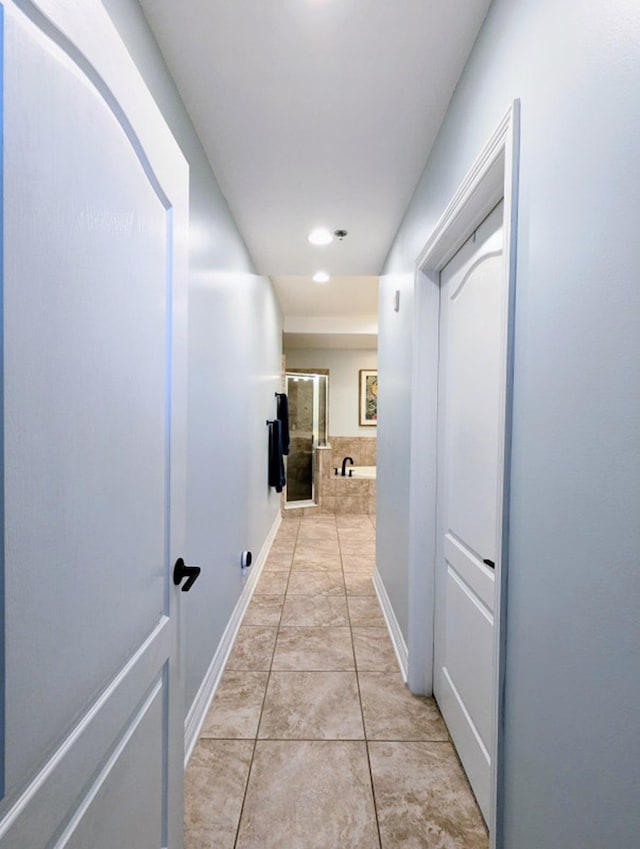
column 470, row 432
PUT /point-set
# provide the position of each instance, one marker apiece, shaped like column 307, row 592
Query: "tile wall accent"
column 346, row 495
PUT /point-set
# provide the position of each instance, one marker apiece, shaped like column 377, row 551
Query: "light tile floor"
column 312, row 740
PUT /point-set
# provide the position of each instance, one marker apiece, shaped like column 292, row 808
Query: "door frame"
column 492, row 177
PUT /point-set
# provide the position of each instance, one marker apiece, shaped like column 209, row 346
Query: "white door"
column 470, row 460
column 95, row 220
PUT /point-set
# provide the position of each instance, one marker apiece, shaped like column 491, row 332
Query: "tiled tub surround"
column 312, row 740
column 345, row 496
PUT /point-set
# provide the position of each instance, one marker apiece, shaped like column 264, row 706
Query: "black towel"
column 276, row 462
column 283, row 416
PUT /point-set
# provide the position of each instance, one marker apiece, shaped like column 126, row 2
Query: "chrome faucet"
column 344, row 465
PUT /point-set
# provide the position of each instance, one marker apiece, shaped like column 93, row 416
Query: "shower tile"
column 235, row 710
column 215, row 782
column 312, row 794
column 374, row 650
column 312, row 706
column 324, row 610
column 392, row 712
column 314, row 649
column 315, row 583
column 421, row 791
column 365, row 612
column 264, row 609
column 253, row 648
column 272, row 583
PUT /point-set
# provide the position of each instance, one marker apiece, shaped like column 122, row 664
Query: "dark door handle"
column 181, row 570
column 490, row 563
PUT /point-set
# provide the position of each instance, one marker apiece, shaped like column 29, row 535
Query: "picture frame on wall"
column 368, row 397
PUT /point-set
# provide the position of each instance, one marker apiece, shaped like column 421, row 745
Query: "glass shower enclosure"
column 308, row 396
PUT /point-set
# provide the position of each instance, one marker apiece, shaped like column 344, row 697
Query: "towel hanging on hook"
column 282, row 412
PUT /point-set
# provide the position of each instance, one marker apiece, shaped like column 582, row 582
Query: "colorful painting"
column 368, row 397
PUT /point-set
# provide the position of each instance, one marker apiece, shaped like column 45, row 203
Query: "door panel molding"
column 60, row 780
column 492, row 177
column 88, row 142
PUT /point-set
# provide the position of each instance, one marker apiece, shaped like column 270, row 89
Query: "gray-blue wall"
column 235, row 333
column 571, row 768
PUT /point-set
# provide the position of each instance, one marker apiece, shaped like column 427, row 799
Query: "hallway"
column 312, row 740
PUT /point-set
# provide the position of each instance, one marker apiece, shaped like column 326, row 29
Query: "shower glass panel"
column 307, row 393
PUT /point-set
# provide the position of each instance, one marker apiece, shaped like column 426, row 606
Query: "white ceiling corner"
column 317, row 112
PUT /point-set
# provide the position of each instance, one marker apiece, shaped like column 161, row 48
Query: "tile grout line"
column 364, row 727
column 264, row 699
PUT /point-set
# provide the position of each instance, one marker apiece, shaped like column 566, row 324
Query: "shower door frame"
column 306, row 374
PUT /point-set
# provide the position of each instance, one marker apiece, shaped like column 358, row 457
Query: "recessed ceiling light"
column 320, row 236
column 321, row 277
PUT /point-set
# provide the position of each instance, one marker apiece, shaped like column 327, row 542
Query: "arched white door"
column 94, row 299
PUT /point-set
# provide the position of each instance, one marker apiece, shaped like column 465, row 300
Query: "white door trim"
column 492, row 177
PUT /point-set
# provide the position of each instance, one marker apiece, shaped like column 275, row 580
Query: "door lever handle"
column 181, row 570
column 490, row 563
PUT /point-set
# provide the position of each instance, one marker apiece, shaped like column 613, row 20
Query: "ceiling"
column 317, row 112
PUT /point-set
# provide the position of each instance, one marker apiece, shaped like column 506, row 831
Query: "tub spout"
column 344, row 465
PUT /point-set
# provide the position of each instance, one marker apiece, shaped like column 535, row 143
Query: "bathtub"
column 362, row 472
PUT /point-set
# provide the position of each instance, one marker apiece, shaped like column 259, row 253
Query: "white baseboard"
column 207, row 690
column 399, row 645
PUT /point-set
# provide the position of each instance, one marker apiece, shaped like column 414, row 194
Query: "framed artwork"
column 368, row 397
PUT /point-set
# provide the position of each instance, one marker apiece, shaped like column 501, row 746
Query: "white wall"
column 344, row 366
column 235, row 333
column 571, row 752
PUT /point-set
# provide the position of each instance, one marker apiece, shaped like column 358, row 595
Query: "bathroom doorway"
column 308, row 404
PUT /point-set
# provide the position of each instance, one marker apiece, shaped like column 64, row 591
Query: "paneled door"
column 94, row 300
column 471, row 401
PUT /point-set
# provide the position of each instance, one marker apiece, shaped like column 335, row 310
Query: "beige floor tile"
column 288, row 530
column 364, row 611
column 314, row 649
column 235, row 710
column 253, row 648
column 423, row 798
column 353, row 548
column 316, row 563
column 348, row 523
column 362, row 567
column 392, row 712
column 315, row 583
column 312, row 706
column 357, row 583
column 278, row 562
column 323, row 610
column 374, row 651
column 362, row 535
column 309, row 548
column 284, row 545
column 214, row 788
column 264, row 610
column 272, row 583
column 309, row 795
column 317, row 535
